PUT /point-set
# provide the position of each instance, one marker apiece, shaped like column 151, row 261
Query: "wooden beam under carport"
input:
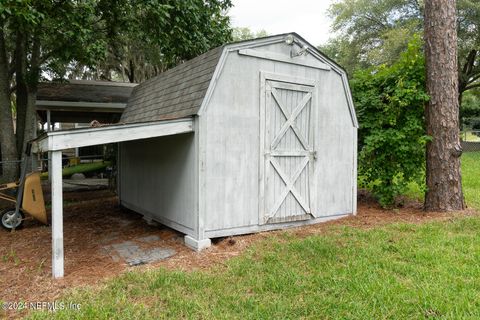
column 56, row 141
column 83, row 137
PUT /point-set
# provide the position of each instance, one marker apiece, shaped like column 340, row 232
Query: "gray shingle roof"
column 85, row 91
column 175, row 93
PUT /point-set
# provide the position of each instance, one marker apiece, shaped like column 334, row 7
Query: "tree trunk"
column 33, row 75
column 131, row 72
column 7, row 135
column 444, row 180
column 21, row 92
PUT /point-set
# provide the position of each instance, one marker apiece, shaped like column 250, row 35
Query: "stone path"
column 133, row 254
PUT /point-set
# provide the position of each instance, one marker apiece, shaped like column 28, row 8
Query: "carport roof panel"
column 76, row 91
column 82, row 137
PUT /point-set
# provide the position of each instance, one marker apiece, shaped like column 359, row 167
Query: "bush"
column 390, row 107
column 470, row 110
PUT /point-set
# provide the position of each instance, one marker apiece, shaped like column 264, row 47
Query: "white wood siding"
column 158, row 180
column 336, row 154
column 230, row 192
column 231, row 135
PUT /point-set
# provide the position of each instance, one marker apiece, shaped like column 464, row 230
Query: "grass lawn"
column 469, row 136
column 400, row 271
column 471, row 178
column 470, row 181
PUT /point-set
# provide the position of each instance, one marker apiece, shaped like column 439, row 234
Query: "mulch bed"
column 94, row 220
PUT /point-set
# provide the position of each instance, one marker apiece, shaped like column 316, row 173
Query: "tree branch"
column 3, row 52
column 468, row 66
column 12, row 65
column 477, row 85
column 36, row 59
column 376, row 21
column 474, row 78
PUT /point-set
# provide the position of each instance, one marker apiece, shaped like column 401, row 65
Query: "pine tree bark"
column 443, row 177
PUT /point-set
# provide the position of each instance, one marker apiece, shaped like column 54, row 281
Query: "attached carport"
column 56, row 141
column 82, row 101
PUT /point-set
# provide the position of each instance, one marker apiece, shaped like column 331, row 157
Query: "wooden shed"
column 251, row 136
column 274, row 142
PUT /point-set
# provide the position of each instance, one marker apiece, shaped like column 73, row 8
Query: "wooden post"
column 49, row 161
column 49, row 121
column 49, row 128
column 57, row 214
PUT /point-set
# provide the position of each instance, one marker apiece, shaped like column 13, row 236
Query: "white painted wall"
column 230, row 162
column 336, row 151
column 157, row 179
column 231, row 143
column 158, row 176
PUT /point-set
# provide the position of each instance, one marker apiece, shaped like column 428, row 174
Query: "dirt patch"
column 94, row 221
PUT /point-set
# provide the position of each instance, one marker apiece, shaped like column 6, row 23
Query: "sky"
column 308, row 18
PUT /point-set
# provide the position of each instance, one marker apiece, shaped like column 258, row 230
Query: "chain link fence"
column 470, row 141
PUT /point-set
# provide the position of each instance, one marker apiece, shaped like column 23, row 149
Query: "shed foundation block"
column 197, row 245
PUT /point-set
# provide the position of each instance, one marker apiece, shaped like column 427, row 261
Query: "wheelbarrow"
column 28, row 199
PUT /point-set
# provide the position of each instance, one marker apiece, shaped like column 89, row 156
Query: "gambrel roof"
column 175, row 93
column 183, row 90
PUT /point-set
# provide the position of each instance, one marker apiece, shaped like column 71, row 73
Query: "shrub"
column 390, row 107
